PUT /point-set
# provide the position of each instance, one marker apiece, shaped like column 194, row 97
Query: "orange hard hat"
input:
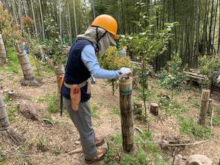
column 108, row 23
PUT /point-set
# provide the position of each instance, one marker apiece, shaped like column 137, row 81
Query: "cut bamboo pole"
column 154, row 109
column 210, row 107
column 7, row 134
column 26, row 66
column 4, row 122
column 2, row 52
column 127, row 116
column 204, row 106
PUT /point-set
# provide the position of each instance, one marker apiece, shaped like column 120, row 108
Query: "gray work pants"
column 83, row 123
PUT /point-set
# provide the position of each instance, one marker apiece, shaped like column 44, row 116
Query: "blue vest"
column 76, row 72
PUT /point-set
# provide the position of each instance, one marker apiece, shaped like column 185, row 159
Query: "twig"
column 139, row 130
column 174, row 156
column 185, row 144
column 176, row 145
column 10, row 154
column 213, row 110
column 78, row 150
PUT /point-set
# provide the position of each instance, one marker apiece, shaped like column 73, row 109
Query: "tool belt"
column 75, row 93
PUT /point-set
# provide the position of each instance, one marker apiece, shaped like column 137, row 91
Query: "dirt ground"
column 62, row 138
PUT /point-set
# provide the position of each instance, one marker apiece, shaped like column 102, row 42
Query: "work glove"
column 124, row 71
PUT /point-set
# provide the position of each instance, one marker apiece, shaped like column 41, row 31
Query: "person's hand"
column 124, row 71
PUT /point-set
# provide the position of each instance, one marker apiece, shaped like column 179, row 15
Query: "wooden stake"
column 204, row 106
column 154, row 109
column 127, row 116
column 2, row 52
column 210, row 106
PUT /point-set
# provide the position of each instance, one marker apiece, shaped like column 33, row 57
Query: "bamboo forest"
column 116, row 82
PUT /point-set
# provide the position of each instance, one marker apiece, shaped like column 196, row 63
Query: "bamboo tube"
column 2, row 52
column 4, row 122
column 26, row 66
column 210, row 107
column 127, row 116
column 154, row 109
column 204, row 106
column 60, row 72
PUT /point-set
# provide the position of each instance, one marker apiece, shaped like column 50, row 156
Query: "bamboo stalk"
column 2, row 52
column 127, row 117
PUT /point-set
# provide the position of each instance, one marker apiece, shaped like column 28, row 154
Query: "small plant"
column 52, row 102
column 171, row 107
column 216, row 117
column 12, row 114
column 112, row 61
column 94, row 109
column 190, row 127
column 1, row 156
column 209, row 64
column 56, row 151
column 43, row 144
column 147, row 45
column 172, row 77
column 147, row 153
column 116, row 110
column 13, row 63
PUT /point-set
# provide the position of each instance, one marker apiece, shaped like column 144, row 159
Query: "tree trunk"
column 34, row 18
column 70, row 25
column 219, row 32
column 210, row 44
column 2, row 52
column 196, row 55
column 42, row 20
column 75, row 21
column 60, row 19
column 14, row 11
column 93, row 8
column 20, row 14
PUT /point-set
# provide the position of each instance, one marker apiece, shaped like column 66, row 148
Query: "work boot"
column 99, row 141
column 101, row 152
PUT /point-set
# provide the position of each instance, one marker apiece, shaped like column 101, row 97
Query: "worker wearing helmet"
column 82, row 64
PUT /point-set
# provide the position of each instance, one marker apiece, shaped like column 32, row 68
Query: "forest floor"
column 51, row 143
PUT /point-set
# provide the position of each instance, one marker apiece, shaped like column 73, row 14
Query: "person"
column 123, row 51
column 25, row 48
column 82, row 64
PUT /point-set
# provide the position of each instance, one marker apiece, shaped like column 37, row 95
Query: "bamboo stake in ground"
column 6, row 132
column 26, row 69
column 154, row 109
column 127, row 117
column 25, row 64
column 210, row 106
column 2, row 52
column 204, row 106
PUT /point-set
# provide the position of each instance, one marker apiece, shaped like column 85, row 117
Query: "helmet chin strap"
column 98, row 39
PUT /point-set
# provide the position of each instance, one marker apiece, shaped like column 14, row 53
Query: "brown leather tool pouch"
column 75, row 95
